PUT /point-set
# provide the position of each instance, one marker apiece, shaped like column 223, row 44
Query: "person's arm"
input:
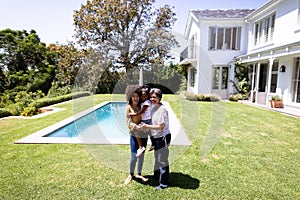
column 144, row 108
column 154, row 127
column 129, row 122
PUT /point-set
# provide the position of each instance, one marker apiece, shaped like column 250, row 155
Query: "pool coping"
column 178, row 135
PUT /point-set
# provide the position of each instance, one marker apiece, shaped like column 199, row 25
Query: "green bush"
column 202, row 97
column 233, row 97
column 276, row 98
column 56, row 91
column 4, row 112
column 16, row 109
column 191, row 97
column 236, row 97
column 50, row 101
column 29, row 111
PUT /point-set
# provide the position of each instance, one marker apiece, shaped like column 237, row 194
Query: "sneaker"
column 151, row 148
column 143, row 179
column 128, row 180
column 140, row 151
column 161, row 186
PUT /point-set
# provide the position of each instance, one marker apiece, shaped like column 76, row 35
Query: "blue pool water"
column 107, row 121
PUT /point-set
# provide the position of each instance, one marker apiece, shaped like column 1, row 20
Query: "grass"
column 237, row 152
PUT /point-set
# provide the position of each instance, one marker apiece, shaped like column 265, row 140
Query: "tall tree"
column 129, row 33
column 25, row 60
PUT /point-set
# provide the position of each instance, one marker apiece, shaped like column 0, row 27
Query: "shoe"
column 140, row 151
column 143, row 179
column 151, row 148
column 161, row 186
column 128, row 180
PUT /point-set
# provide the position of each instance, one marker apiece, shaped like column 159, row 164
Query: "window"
column 193, row 46
column 274, row 77
column 192, row 76
column 220, row 77
column 221, row 38
column 296, row 82
column 216, row 78
column 264, row 30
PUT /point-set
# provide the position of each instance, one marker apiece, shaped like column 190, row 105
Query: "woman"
column 133, row 94
column 162, row 137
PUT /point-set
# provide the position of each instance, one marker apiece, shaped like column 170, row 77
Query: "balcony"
column 187, row 56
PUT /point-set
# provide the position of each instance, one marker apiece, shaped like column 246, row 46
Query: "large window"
column 264, row 30
column 225, row 38
column 192, row 76
column 220, row 77
column 274, row 77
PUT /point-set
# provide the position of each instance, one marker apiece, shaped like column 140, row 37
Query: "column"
column 252, row 83
column 271, row 61
column 257, row 82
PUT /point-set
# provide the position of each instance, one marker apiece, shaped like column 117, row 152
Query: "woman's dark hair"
column 157, row 92
column 130, row 89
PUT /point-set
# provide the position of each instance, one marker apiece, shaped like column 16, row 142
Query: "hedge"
column 50, row 101
column 4, row 112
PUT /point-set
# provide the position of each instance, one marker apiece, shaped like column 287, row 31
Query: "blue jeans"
column 133, row 149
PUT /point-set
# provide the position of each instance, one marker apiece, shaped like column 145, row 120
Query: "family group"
column 146, row 116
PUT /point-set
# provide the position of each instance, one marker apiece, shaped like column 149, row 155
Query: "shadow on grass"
column 177, row 179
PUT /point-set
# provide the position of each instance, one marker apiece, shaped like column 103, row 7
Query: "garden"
column 253, row 155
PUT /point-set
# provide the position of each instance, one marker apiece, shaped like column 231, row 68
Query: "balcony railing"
column 184, row 54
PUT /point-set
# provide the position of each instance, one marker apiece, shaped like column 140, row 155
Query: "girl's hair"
column 130, row 90
column 157, row 92
column 146, row 89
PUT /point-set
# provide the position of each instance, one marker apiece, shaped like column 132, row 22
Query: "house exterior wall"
column 280, row 44
column 284, row 47
column 206, row 58
column 287, row 26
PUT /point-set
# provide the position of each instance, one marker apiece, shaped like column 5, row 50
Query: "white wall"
column 209, row 58
column 287, row 26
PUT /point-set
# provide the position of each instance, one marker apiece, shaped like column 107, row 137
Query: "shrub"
column 29, row 111
column 4, row 112
column 276, row 98
column 236, row 97
column 16, row 109
column 202, row 97
column 191, row 97
column 50, row 101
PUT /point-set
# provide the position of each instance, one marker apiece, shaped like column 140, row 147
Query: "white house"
column 266, row 40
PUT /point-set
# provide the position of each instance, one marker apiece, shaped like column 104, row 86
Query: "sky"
column 53, row 19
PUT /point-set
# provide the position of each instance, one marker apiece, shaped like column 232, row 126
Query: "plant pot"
column 276, row 103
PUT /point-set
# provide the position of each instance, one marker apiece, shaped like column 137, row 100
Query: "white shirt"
column 147, row 114
column 160, row 116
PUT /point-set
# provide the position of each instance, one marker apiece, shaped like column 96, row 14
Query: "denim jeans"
column 161, row 165
column 133, row 149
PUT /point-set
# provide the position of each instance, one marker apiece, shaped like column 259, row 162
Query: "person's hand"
column 138, row 127
column 144, row 126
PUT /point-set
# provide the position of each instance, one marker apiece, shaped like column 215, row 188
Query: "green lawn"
column 237, row 152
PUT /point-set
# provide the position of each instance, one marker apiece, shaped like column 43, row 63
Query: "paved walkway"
column 287, row 110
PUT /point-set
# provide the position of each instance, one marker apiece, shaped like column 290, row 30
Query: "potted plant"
column 276, row 101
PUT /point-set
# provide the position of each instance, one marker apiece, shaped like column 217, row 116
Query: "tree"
column 25, row 61
column 129, row 33
column 241, row 74
column 68, row 63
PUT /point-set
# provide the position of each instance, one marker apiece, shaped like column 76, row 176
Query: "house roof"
column 222, row 14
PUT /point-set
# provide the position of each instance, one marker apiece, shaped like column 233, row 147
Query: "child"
column 145, row 109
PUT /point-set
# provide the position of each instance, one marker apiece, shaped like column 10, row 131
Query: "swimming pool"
column 107, row 121
column 102, row 124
